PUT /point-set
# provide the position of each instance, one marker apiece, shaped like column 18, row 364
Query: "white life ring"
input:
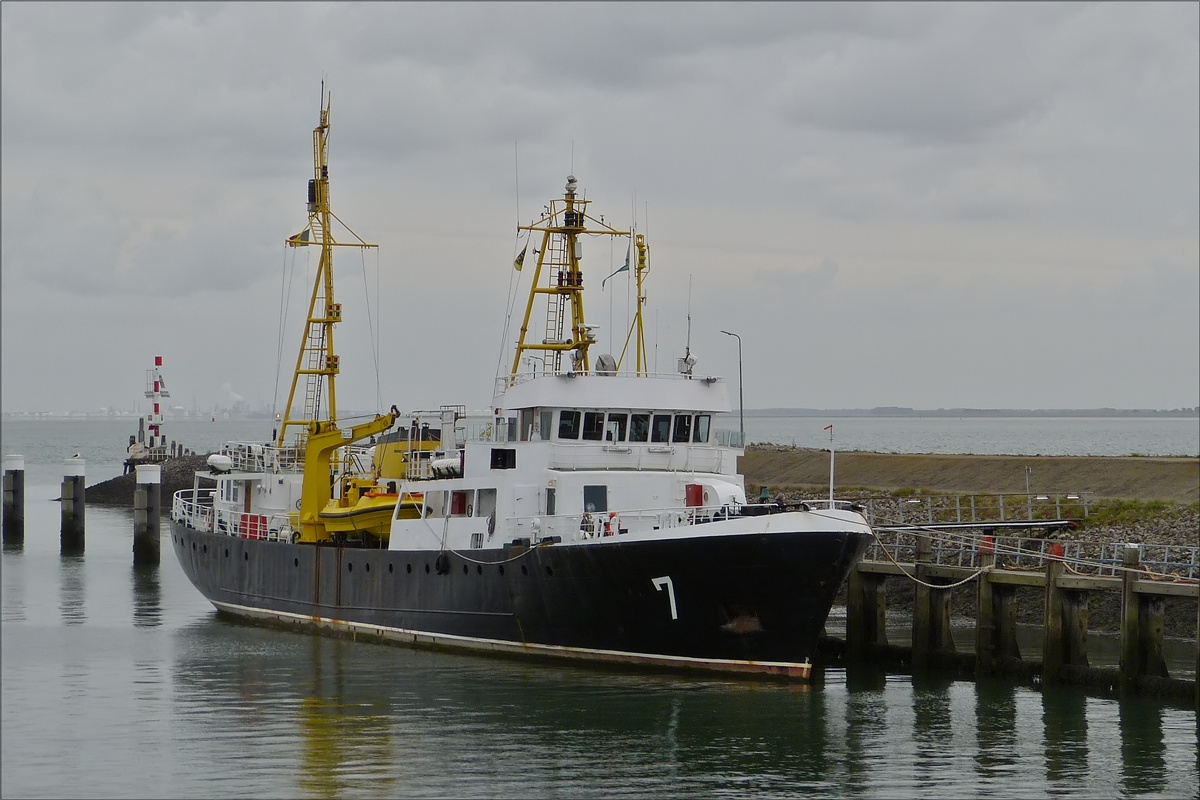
column 612, row 525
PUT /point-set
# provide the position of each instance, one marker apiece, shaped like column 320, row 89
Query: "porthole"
column 367, row 567
column 523, row 570
column 350, row 567
column 464, row 569
column 390, row 568
column 501, row 569
column 408, row 568
column 296, row 561
column 193, row 547
column 245, row 556
column 426, row 569
column 479, row 569
column 227, row 552
column 549, row 572
column 204, row 548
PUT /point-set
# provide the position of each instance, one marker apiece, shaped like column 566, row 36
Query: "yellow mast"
column 316, row 361
column 318, row 436
column 643, row 267
column 560, row 251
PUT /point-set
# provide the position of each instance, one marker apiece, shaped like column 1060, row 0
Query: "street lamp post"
column 741, row 400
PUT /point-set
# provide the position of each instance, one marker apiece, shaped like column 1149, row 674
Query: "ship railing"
column 194, row 508
column 258, row 457
column 598, row 524
column 507, row 381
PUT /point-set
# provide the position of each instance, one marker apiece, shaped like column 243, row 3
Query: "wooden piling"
column 1131, row 666
column 866, row 615
column 14, row 501
column 1052, row 625
column 147, row 514
column 985, row 612
column 921, row 610
column 73, row 507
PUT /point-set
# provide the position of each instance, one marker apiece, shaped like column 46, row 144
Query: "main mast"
column 559, row 255
column 317, row 362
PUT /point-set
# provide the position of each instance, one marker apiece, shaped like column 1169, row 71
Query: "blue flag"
column 625, row 268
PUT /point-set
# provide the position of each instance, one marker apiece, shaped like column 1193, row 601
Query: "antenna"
column 688, row 361
column 829, row 428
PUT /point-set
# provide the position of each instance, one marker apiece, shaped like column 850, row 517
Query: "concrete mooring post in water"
column 72, row 507
column 147, row 514
column 14, row 500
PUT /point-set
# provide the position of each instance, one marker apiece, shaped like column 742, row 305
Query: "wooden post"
column 147, row 514
column 985, row 616
column 1131, row 656
column 1052, row 641
column 921, row 608
column 73, row 499
column 1151, row 628
column 1004, row 605
column 14, row 501
column 1075, row 627
column 866, row 615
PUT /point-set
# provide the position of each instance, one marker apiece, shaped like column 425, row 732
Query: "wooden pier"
column 985, row 565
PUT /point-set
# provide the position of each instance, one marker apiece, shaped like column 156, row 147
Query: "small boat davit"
column 596, row 514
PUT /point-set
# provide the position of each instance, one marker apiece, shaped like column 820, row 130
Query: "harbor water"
column 124, row 682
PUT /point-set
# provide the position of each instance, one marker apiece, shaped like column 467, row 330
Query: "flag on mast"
column 624, row 268
column 520, row 260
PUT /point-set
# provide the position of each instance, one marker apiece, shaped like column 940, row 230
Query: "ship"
column 594, row 514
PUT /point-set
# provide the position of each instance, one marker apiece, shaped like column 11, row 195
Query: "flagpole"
column 830, row 429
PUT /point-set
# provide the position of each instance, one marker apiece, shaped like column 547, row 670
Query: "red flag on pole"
column 827, row 427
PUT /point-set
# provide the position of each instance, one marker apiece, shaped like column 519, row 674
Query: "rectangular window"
column 476, row 541
column 595, row 499
column 683, row 428
column 639, row 427
column 526, row 424
column 504, row 458
column 434, row 504
column 700, row 432
column 660, row 431
column 547, row 424
column 550, row 501
column 486, row 503
column 593, row 425
column 615, row 432
column 568, row 425
column 512, row 429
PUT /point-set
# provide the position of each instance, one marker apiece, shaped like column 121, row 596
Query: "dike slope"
column 1175, row 480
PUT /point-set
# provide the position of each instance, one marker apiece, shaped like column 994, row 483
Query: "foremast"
column 315, row 431
column 559, row 256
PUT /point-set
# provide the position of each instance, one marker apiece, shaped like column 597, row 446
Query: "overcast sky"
column 935, row 205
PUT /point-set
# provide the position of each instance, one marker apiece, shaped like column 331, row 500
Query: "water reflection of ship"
column 347, row 739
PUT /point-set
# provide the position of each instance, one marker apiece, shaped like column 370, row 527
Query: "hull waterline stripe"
column 788, row 668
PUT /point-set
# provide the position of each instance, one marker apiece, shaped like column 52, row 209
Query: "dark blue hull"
column 733, row 602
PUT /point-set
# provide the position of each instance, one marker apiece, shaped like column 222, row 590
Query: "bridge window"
column 504, row 458
column 683, row 428
column 639, row 427
column 568, row 425
column 547, row 424
column 700, row 432
column 435, row 504
column 615, row 431
column 593, row 425
column 660, row 430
